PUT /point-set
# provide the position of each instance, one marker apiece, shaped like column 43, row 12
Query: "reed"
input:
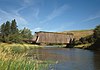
column 13, row 57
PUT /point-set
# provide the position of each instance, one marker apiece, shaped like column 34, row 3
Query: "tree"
column 2, row 32
column 96, row 36
column 10, row 33
column 26, row 33
column 14, row 28
column 15, row 38
column 83, row 40
column 7, row 28
column 97, row 32
column 90, row 39
column 5, row 31
column 2, row 29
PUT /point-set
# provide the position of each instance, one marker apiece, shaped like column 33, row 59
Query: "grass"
column 83, row 45
column 13, row 57
column 80, row 33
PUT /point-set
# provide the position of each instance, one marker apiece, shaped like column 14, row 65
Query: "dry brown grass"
column 80, row 33
column 12, row 57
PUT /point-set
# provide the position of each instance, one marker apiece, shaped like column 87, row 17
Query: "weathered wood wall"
column 52, row 37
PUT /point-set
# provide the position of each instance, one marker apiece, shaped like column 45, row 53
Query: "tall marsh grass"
column 13, row 57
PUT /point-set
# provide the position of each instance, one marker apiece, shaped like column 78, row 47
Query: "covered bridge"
column 52, row 38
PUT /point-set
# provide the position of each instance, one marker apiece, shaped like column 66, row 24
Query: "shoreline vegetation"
column 13, row 48
column 83, row 46
column 10, row 33
column 90, row 42
column 14, row 57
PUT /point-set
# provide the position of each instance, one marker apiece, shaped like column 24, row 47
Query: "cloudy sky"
column 51, row 15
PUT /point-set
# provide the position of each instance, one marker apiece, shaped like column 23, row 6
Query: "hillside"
column 80, row 33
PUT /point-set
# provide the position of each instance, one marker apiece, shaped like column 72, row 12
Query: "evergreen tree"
column 26, row 33
column 97, row 36
column 9, row 33
column 97, row 32
column 96, row 45
column 2, row 28
column 2, row 32
column 14, row 28
column 15, row 35
column 7, row 28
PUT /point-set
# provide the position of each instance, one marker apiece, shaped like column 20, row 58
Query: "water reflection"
column 97, row 60
column 69, row 59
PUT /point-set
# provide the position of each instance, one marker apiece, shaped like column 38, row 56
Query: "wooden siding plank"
column 50, row 37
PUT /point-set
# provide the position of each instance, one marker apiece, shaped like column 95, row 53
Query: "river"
column 69, row 59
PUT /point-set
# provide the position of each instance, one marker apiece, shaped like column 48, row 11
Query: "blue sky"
column 51, row 15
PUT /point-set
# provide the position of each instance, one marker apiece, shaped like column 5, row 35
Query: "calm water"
column 69, row 59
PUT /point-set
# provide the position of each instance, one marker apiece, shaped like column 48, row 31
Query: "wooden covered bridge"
column 52, row 38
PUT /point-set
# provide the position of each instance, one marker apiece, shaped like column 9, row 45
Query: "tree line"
column 94, row 39
column 96, row 36
column 9, row 33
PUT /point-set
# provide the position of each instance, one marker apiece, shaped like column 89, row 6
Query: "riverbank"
column 14, row 57
column 69, row 58
column 83, row 46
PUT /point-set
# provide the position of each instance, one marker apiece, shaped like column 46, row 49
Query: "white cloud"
column 15, row 14
column 30, row 2
column 41, row 29
column 9, row 16
column 36, row 29
column 35, row 13
column 27, row 2
column 55, row 13
column 92, row 18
